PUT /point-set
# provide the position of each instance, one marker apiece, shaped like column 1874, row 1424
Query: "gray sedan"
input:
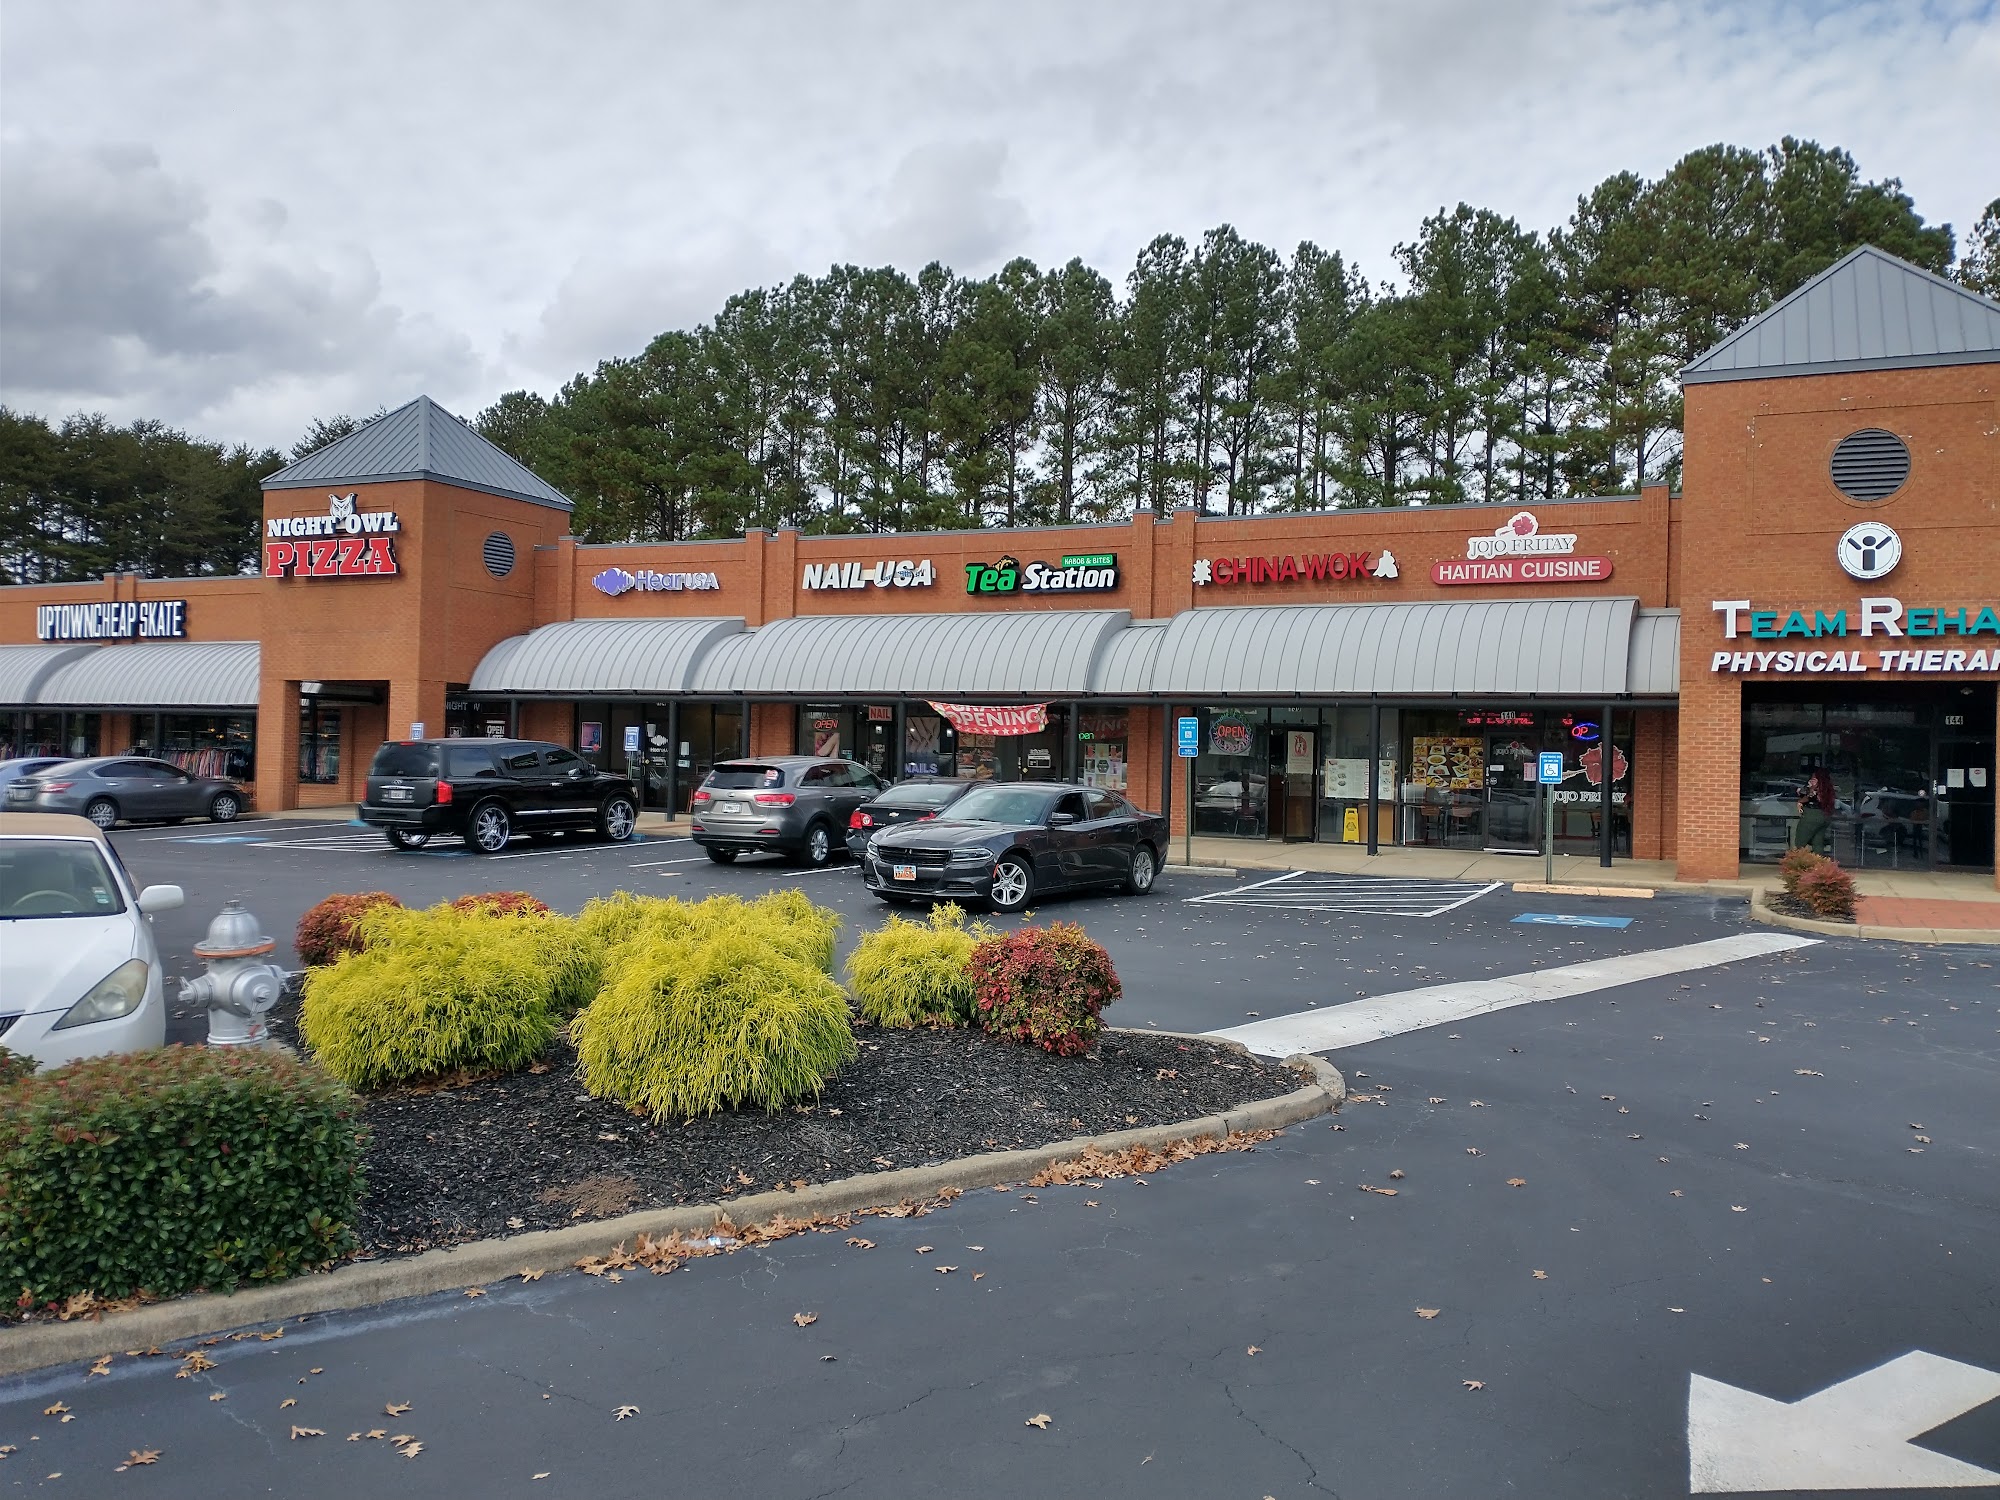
column 131, row 788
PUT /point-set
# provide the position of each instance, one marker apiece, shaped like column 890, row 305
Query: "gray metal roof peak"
column 1869, row 310
column 418, row 440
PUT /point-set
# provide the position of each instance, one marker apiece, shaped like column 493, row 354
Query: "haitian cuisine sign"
column 1078, row 573
column 1324, row 567
column 343, row 543
column 1881, row 616
column 113, row 620
column 1521, row 552
column 906, row 574
column 616, row 581
column 986, row 718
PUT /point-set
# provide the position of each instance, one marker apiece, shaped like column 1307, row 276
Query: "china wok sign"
column 1521, row 552
column 343, row 543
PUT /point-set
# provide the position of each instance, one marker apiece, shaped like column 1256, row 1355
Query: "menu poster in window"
column 977, row 758
column 1347, row 780
column 590, row 738
column 1451, row 763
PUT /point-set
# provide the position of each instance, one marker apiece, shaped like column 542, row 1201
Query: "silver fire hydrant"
column 240, row 986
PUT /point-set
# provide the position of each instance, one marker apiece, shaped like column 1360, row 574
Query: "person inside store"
column 1815, row 812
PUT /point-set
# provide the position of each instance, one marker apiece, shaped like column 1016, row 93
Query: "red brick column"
column 1708, row 810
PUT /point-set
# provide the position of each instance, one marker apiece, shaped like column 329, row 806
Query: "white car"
column 79, row 970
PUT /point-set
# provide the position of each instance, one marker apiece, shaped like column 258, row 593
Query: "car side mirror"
column 1061, row 820
column 158, row 898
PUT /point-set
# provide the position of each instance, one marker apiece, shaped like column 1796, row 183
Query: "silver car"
column 795, row 805
column 110, row 789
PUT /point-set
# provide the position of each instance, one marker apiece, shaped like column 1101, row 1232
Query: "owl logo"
column 341, row 507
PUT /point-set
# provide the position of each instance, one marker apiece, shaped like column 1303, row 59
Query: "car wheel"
column 722, row 856
column 1144, row 870
column 225, row 807
column 490, row 828
column 617, row 820
column 102, row 811
column 405, row 838
column 1012, row 886
column 819, row 846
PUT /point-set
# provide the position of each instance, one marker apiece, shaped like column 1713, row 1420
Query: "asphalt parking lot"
column 1729, row 1230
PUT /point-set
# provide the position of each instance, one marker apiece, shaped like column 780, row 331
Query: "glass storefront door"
column 1965, row 794
column 1513, row 799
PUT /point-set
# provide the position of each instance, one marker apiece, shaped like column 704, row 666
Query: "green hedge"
column 166, row 1171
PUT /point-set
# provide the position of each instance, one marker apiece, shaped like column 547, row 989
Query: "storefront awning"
column 1020, row 653
column 23, row 670
column 157, row 674
column 1488, row 647
column 575, row 658
column 1655, row 667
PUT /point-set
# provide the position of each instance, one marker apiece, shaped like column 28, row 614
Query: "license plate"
column 20, row 793
column 730, row 809
column 904, row 872
column 395, row 794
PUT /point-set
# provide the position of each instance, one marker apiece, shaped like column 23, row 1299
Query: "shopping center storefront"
column 1821, row 595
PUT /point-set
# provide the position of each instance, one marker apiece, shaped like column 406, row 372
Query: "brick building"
column 1825, row 592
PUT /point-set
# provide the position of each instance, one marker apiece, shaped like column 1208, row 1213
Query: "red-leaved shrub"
column 1828, row 890
column 502, row 903
column 327, row 931
column 1043, row 985
column 1792, row 868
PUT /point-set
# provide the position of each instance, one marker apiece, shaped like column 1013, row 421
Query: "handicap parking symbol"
column 1569, row 919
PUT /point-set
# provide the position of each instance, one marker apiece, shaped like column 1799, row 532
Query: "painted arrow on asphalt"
column 1851, row 1436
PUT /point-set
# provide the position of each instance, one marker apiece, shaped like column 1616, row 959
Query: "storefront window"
column 930, row 745
column 1343, row 810
column 1102, row 737
column 212, row 744
column 709, row 732
column 477, row 718
column 1232, row 773
column 319, row 743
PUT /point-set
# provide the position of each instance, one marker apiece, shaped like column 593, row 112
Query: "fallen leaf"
column 977, row 1274
column 1253, row 1349
column 1435, row 1100
column 1427, row 1313
column 1677, row 1309
column 1924, row 1139
column 1473, row 1385
column 411, row 1450
column 975, row 1247
column 1541, row 1275
column 354, row 1437
column 54, row 1411
column 1742, row 1145
column 142, row 1456
column 1398, row 1175
column 860, row 1244
column 944, row 1270
column 925, row 1249
column 1475, row 1104
column 1474, row 1151
column 1371, row 1188
column 1040, row 1419
column 299, row 1432
column 1090, row 1203
column 397, row 1408
column 1676, row 1193
column 377, row 1433
column 475, row 1291
column 288, row 1401
column 1808, row 1073
column 1738, row 1208
column 625, row 1411
column 219, row 1396
column 527, row 1275
column 1517, row 1182
column 102, row 1367
column 805, row 1320
column 517, row 1223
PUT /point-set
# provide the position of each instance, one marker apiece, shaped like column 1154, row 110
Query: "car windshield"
column 737, row 778
column 1001, row 804
column 405, row 760
column 55, row 878
column 918, row 794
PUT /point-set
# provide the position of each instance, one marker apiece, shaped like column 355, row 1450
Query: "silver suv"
column 796, row 805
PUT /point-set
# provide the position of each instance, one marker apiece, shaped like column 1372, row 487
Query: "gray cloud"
column 945, row 201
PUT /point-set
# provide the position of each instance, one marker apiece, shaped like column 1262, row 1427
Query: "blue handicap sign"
column 1549, row 768
column 1569, row 919
column 1190, row 738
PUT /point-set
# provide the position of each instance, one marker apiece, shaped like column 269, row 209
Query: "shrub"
column 440, row 990
column 168, row 1170
column 687, row 1025
column 502, row 904
column 915, row 973
column 14, row 1066
column 1792, row 868
column 785, row 919
column 1828, row 890
column 331, row 929
column 1043, row 985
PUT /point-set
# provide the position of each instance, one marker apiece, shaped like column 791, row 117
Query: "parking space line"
column 1382, row 1016
column 1363, row 895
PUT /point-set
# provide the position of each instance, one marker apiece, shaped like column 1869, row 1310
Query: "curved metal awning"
column 1489, row 647
column 1010, row 653
column 574, row 658
column 23, row 670
column 1655, row 667
column 157, row 675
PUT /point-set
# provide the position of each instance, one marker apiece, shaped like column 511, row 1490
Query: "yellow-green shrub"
column 785, row 919
column 687, row 1025
column 444, row 989
column 914, row 973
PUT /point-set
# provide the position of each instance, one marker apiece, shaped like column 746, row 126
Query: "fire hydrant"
column 239, row 988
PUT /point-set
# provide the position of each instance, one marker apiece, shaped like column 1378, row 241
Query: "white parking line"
column 1371, row 1020
column 1299, row 890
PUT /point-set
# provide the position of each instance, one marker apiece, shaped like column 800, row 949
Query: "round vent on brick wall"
column 1870, row 464
column 499, row 553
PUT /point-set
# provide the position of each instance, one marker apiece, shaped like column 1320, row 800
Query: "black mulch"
column 534, row 1151
column 1786, row 904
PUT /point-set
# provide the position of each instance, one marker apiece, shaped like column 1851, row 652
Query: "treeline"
column 1501, row 363
column 87, row 498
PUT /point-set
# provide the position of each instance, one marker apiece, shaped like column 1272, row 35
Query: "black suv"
column 486, row 791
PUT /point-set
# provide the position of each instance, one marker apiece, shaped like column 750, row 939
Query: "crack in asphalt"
column 1312, row 1471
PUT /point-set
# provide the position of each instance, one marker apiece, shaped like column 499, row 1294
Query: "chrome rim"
column 1142, row 870
column 490, row 829
column 1010, row 884
column 618, row 820
column 224, row 809
column 818, row 846
column 103, row 814
column 404, row 840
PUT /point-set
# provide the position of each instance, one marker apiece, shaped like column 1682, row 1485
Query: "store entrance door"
column 1511, row 794
column 1965, row 798
column 1294, row 784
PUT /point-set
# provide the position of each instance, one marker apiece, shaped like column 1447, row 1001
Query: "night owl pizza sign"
column 343, row 543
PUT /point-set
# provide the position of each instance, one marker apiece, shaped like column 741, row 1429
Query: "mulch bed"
column 534, row 1151
column 1786, row 904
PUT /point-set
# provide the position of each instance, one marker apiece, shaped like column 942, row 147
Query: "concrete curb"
column 367, row 1283
column 1971, row 936
column 1199, row 869
column 1539, row 888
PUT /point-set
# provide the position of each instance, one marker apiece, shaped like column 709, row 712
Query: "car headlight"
column 118, row 993
column 972, row 856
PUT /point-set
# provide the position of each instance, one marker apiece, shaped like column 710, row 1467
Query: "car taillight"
column 444, row 794
column 55, row 786
column 775, row 799
column 700, row 797
column 927, row 817
column 859, row 819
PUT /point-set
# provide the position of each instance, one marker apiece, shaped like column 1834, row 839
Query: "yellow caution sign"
column 1350, row 826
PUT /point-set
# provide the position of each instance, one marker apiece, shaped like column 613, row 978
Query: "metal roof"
column 23, row 669
column 1866, row 311
column 157, row 674
column 418, row 440
column 1654, row 670
column 1013, row 653
column 578, row 657
column 1130, row 655
column 1508, row 647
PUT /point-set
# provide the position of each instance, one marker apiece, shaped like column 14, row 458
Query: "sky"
column 236, row 217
